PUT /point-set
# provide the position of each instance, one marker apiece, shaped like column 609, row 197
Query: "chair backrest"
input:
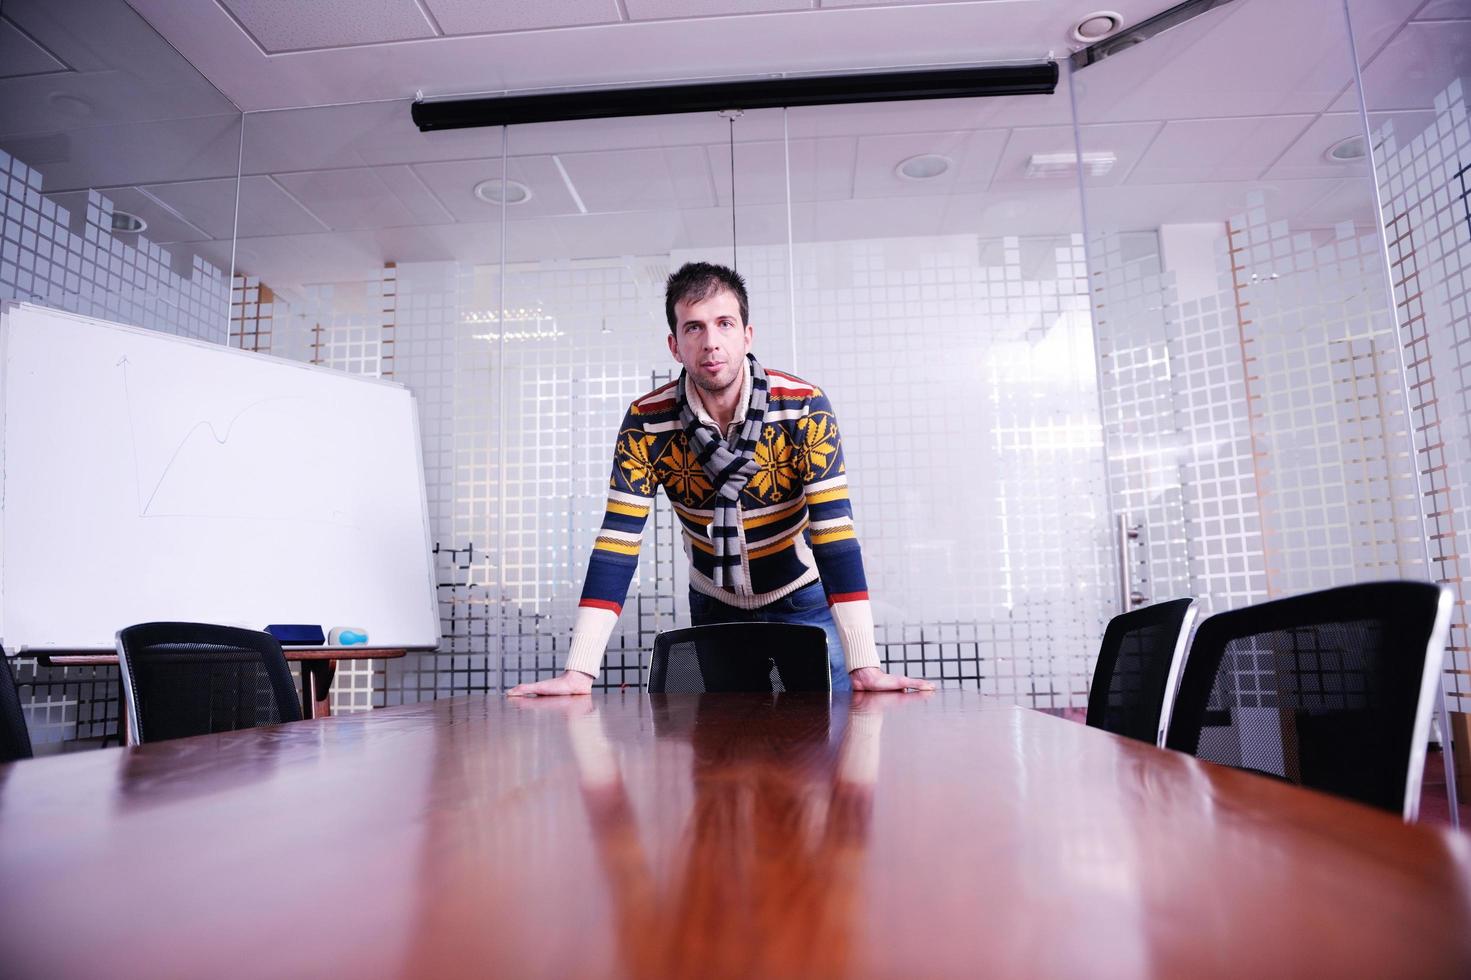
column 1332, row 690
column 1138, row 665
column 740, row 657
column 194, row 678
column 15, row 741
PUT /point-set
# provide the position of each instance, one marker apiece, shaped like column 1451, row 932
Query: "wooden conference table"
column 625, row 835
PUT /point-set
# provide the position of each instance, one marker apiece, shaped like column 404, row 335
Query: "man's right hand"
column 571, row 682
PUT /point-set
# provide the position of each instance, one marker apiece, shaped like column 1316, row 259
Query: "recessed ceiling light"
column 926, row 166
column 1346, row 150
column 1097, row 25
column 73, row 104
column 507, row 192
column 127, row 223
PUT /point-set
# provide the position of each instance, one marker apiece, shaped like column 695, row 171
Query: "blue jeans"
column 805, row 607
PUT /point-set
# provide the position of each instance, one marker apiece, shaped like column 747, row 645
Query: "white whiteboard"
column 149, row 477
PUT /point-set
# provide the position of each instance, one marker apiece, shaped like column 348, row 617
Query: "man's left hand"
column 873, row 679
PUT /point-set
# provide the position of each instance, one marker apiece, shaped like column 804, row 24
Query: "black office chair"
column 15, row 740
column 1331, row 690
column 184, row 679
column 1138, row 664
column 740, row 657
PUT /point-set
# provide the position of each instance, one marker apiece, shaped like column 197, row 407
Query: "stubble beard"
column 715, row 387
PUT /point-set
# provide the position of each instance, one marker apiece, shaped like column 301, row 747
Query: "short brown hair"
column 696, row 281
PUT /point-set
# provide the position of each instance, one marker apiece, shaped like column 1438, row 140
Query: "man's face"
column 710, row 340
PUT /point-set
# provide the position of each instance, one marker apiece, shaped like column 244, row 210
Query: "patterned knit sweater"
column 797, row 522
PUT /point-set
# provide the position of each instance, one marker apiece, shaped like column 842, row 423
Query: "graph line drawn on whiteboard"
column 202, row 467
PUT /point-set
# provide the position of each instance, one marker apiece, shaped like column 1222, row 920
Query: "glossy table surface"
column 722, row 835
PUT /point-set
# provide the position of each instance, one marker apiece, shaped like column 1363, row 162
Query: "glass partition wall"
column 1221, row 383
column 119, row 184
column 1269, row 420
column 859, row 232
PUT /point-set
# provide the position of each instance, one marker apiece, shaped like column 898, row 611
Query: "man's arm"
column 835, row 547
column 612, row 563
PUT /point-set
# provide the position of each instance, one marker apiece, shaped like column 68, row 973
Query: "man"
column 752, row 462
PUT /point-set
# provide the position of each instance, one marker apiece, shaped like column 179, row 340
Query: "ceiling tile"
column 1017, row 211
column 1308, row 157
column 479, row 17
column 641, row 180
column 289, row 25
column 265, row 209
column 290, row 261
column 973, row 158
column 830, row 4
column 683, row 9
column 164, row 226
column 1350, row 200
column 1415, row 67
column 822, row 169
column 413, row 194
column 613, row 53
column 1238, row 59
column 1444, row 10
column 1126, row 141
column 19, row 55
column 348, row 199
column 593, row 235
column 709, row 231
column 1376, row 21
column 1217, row 149
column 453, row 184
column 111, row 156
column 931, row 115
column 860, row 221
column 1146, row 207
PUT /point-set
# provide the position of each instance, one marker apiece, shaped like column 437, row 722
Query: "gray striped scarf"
column 728, row 470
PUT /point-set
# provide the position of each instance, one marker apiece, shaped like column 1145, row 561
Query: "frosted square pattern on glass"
column 75, row 262
column 1425, row 193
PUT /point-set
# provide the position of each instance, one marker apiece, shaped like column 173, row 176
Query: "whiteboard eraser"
column 296, row 634
column 347, row 636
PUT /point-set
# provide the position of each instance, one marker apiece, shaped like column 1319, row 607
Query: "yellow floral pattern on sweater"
column 774, row 476
column 787, row 455
column 682, row 474
column 817, row 450
column 631, row 462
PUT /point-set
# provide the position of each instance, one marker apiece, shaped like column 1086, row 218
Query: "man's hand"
column 571, row 682
column 867, row 702
column 873, row 679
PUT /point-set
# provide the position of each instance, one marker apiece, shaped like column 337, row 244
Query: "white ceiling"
column 273, row 54
column 1244, row 99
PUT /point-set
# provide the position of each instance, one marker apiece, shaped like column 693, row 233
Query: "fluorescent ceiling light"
column 1043, row 166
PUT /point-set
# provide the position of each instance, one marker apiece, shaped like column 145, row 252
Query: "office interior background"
column 1195, row 324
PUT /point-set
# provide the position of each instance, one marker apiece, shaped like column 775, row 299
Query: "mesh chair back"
column 740, row 657
column 1332, row 690
column 193, row 679
column 15, row 741
column 1137, row 667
